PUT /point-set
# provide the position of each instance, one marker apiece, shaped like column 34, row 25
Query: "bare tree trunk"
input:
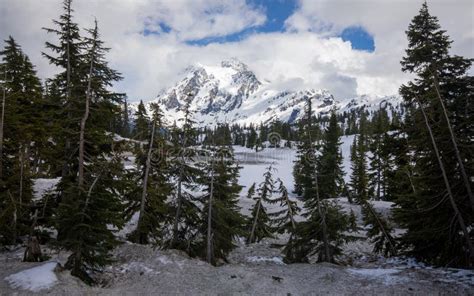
column 254, row 225
column 86, row 112
column 2, row 119
column 178, row 209
column 145, row 182
column 209, row 216
column 327, row 252
column 448, row 187
column 455, row 145
column 15, row 217
column 22, row 161
column 290, row 212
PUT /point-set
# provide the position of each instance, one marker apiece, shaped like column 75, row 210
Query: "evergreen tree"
column 359, row 181
column 259, row 223
column 331, row 176
column 438, row 131
column 305, row 164
column 154, row 175
column 379, row 230
column 21, row 129
column 66, row 90
column 89, row 201
column 222, row 221
column 308, row 239
column 380, row 159
column 186, row 172
column 141, row 123
column 284, row 220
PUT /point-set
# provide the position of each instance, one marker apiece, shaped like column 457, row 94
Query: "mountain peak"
column 231, row 92
column 235, row 64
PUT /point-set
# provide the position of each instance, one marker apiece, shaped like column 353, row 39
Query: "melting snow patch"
column 41, row 186
column 276, row 260
column 387, row 275
column 135, row 267
column 164, row 260
column 34, row 279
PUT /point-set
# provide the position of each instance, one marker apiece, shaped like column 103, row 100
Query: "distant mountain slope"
column 232, row 93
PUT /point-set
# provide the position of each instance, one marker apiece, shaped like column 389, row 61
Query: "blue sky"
column 277, row 12
column 292, row 44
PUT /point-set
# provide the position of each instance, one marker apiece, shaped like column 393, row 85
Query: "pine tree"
column 308, row 239
column 285, row 219
column 331, row 175
column 437, row 234
column 186, row 172
column 359, row 181
column 20, row 130
column 305, row 164
column 222, row 221
column 154, row 175
column 379, row 230
column 380, row 159
column 259, row 224
column 89, row 201
column 66, row 90
column 141, row 123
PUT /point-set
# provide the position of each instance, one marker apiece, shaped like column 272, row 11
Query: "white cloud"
column 293, row 59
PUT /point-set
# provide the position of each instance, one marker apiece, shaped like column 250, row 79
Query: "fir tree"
column 186, row 212
column 259, row 223
column 359, row 181
column 222, row 221
column 379, row 230
column 305, row 164
column 155, row 185
column 331, row 176
column 141, row 123
column 380, row 159
column 89, row 202
column 66, row 90
column 308, row 239
column 438, row 130
column 284, row 220
column 20, row 131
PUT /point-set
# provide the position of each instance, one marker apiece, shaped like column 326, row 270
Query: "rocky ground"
column 253, row 270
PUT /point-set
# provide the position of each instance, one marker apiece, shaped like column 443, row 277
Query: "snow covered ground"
column 253, row 269
column 142, row 270
column 34, row 279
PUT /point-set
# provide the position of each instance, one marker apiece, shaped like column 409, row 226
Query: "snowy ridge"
column 232, row 93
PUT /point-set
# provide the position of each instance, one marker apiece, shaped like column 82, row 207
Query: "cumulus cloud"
column 308, row 54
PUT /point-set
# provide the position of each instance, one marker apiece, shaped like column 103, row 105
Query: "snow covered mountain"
column 232, row 93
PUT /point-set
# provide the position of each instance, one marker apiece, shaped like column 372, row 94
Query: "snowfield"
column 256, row 269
